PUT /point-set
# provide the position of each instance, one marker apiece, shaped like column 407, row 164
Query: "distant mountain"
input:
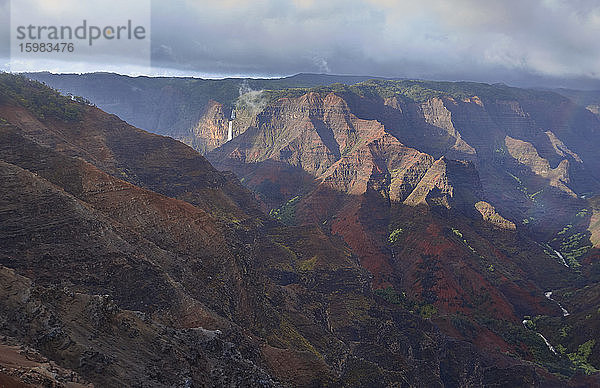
column 415, row 229
column 586, row 98
column 176, row 106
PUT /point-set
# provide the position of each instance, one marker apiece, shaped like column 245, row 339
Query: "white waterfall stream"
column 549, row 296
column 562, row 259
column 548, row 344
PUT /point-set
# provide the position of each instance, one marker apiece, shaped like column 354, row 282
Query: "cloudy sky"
column 524, row 42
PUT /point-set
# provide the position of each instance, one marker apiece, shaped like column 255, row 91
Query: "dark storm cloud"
column 535, row 41
column 487, row 40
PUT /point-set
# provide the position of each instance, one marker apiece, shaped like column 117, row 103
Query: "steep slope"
column 590, row 99
column 111, row 346
column 79, row 267
column 319, row 129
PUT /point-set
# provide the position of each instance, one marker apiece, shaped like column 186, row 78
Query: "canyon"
column 370, row 233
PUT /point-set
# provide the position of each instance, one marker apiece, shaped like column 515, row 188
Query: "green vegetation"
column 463, row 324
column 575, row 351
column 417, row 91
column 425, row 310
column 529, row 323
column 515, row 178
column 308, row 265
column 532, row 196
column 290, row 336
column 286, row 213
column 565, row 229
column 291, row 254
column 527, row 343
column 580, row 358
column 390, row 295
column 394, row 236
column 522, row 188
column 573, row 245
column 37, row 98
column 460, row 235
column 518, row 335
column 356, row 307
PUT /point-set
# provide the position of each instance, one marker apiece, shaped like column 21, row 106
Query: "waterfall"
column 561, row 258
column 547, row 343
column 230, row 130
column 549, row 296
column 550, row 347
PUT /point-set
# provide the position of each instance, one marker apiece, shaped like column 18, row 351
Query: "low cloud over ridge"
column 513, row 40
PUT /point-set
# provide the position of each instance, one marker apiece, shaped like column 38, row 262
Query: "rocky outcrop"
column 108, row 345
column 526, row 154
column 488, row 212
column 22, row 366
column 191, row 110
column 471, row 128
column 560, row 148
column 285, row 128
column 210, row 131
column 448, row 183
column 436, row 114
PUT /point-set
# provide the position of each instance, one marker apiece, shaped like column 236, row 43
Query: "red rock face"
column 374, row 256
column 210, row 131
